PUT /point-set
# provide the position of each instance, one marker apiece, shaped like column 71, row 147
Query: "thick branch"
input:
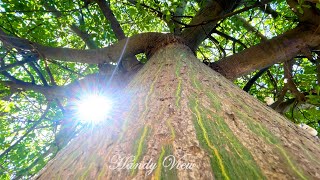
column 136, row 44
column 46, row 90
column 198, row 30
column 107, row 82
column 278, row 49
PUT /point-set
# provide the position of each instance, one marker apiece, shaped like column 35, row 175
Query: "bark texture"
column 178, row 106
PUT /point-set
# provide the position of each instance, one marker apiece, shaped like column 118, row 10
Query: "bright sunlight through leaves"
column 93, row 108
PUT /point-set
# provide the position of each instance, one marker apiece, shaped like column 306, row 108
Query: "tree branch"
column 107, row 12
column 287, row 66
column 136, row 44
column 273, row 81
column 157, row 12
column 52, row 81
column 250, row 28
column 83, row 35
column 177, row 16
column 18, row 84
column 18, row 63
column 278, row 49
column 220, row 48
column 249, row 84
column 130, row 61
column 39, row 73
column 205, row 20
column 230, row 38
column 65, row 68
column 30, row 74
column 306, row 12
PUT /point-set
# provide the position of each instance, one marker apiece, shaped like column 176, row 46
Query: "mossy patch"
column 261, row 131
column 229, row 158
column 140, row 146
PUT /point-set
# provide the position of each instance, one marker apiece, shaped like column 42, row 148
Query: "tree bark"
column 178, row 106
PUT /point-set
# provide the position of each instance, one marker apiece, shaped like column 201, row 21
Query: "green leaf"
column 300, row 10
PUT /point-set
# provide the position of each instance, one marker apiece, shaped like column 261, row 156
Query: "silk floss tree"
column 148, row 89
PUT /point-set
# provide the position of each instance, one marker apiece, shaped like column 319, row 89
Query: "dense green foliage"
column 30, row 121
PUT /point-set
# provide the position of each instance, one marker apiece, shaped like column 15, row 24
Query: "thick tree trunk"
column 178, row 106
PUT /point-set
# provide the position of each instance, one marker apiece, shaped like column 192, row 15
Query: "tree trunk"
column 178, row 106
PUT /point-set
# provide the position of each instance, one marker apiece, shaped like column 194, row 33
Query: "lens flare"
column 93, row 108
